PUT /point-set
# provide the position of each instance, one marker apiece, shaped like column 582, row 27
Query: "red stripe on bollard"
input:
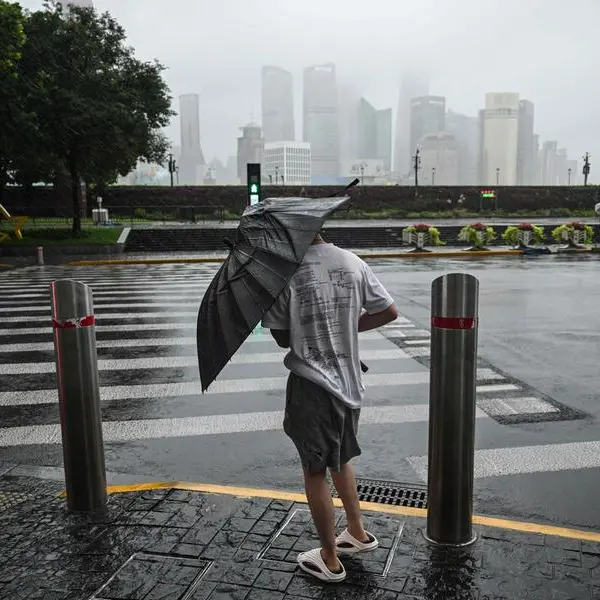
column 454, row 322
column 88, row 321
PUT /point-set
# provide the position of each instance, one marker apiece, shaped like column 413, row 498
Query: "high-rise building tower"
column 374, row 134
column 412, row 86
column 500, row 128
column 427, row 115
column 277, row 105
column 526, row 153
column 80, row 3
column 439, row 159
column 191, row 161
column 320, row 126
column 251, row 146
column 465, row 130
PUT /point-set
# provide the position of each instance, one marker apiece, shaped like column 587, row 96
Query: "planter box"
column 418, row 239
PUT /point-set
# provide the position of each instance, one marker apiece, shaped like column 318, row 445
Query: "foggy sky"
column 544, row 49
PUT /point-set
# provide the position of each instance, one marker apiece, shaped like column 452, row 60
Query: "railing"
column 127, row 215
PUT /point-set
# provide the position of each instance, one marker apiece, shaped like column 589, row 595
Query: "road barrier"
column 452, row 389
column 79, row 395
column 40, row 255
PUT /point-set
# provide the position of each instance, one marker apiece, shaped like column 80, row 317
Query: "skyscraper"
column 80, row 3
column 439, row 159
column 374, row 133
column 526, row 153
column 465, row 130
column 251, row 146
column 277, row 105
column 320, row 126
column 191, row 160
column 412, row 86
column 500, row 122
column 427, row 115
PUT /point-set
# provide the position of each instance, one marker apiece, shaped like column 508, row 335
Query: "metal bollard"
column 40, row 255
column 452, row 389
column 79, row 395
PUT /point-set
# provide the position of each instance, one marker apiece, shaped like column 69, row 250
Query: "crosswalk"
column 150, row 389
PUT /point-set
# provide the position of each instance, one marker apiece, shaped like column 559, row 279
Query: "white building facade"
column 439, row 159
column 287, row 163
column 500, row 123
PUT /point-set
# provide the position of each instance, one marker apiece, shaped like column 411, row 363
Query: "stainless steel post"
column 452, row 387
column 40, row 255
column 79, row 395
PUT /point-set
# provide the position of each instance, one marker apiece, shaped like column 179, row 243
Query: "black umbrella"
column 270, row 243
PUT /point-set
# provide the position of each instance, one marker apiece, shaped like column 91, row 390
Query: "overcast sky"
column 547, row 50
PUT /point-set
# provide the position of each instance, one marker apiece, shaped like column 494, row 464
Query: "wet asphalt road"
column 538, row 439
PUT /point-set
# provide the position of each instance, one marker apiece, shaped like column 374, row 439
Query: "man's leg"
column 345, row 484
column 321, row 508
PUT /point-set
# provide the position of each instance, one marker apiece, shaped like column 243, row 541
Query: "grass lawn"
column 63, row 237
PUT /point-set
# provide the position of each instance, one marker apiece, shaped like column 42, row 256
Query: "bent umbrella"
column 269, row 246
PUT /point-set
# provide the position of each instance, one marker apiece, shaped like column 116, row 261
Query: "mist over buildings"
column 527, row 65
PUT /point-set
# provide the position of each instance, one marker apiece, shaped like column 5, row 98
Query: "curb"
column 243, row 492
column 371, row 255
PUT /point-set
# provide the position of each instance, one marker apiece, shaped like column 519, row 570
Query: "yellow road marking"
column 370, row 255
column 406, row 511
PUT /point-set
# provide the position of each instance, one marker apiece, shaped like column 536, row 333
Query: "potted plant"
column 478, row 235
column 523, row 235
column 420, row 235
column 576, row 234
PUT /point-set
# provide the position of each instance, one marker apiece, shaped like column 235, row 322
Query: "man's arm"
column 366, row 322
column 282, row 337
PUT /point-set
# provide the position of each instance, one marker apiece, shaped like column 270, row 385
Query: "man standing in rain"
column 332, row 297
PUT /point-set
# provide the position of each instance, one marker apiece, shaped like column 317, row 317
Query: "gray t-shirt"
column 320, row 308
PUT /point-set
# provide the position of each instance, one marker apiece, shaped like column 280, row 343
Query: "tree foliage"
column 93, row 108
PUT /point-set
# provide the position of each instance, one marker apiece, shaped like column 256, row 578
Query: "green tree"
column 12, row 40
column 99, row 109
column 13, row 36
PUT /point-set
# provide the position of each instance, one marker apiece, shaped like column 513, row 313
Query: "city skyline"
column 373, row 53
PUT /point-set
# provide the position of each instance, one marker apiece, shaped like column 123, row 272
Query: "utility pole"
column 498, row 176
column 569, row 171
column 416, row 166
column 172, row 167
column 432, row 175
column 586, row 167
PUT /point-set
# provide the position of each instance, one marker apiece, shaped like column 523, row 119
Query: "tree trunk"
column 75, row 198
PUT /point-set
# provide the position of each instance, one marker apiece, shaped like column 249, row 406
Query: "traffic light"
column 253, row 172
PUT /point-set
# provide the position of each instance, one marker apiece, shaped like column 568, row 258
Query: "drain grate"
column 389, row 492
column 10, row 499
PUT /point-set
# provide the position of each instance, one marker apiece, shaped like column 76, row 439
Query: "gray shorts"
column 321, row 426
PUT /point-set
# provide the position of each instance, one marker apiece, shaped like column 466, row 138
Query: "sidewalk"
column 157, row 542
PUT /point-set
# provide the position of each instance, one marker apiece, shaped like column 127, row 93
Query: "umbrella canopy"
column 270, row 243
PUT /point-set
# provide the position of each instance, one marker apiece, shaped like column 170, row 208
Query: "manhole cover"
column 10, row 499
column 389, row 492
column 154, row 575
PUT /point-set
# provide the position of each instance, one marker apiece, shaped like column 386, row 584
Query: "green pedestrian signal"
column 253, row 176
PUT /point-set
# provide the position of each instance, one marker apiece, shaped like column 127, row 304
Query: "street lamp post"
column 586, row 167
column 432, row 175
column 276, row 175
column 172, row 167
column 362, row 174
column 498, row 176
column 569, row 176
column 416, row 166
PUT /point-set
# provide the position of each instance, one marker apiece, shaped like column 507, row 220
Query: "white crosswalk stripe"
column 161, row 303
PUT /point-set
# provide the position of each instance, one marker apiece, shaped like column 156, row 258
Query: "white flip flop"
column 347, row 544
column 312, row 562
